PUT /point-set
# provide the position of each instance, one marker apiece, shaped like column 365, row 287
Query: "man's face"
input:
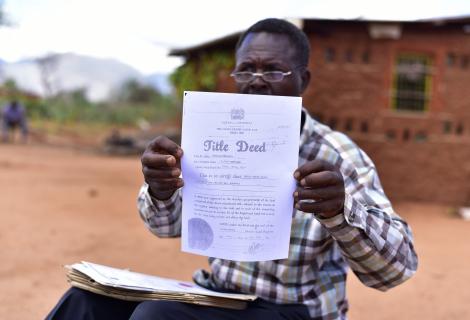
column 261, row 52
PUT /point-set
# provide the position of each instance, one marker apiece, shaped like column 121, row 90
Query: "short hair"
column 279, row 26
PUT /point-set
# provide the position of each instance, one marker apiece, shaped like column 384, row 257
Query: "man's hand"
column 161, row 167
column 322, row 184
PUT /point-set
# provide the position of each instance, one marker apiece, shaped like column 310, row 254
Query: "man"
column 13, row 116
column 350, row 223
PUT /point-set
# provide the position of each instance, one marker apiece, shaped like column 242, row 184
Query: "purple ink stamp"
column 200, row 234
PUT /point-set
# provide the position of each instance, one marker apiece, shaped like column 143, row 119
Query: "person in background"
column 14, row 116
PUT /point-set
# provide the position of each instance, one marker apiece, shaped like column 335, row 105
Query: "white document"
column 126, row 279
column 240, row 154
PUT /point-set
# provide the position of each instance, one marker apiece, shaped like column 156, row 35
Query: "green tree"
column 201, row 73
column 135, row 92
column 47, row 68
column 11, row 88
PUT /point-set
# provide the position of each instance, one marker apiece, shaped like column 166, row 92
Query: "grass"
column 75, row 117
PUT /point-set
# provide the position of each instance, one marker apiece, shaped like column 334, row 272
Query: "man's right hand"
column 161, row 166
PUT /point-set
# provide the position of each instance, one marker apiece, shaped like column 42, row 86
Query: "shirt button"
column 351, row 216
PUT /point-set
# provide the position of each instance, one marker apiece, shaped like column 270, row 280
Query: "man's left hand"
column 322, row 184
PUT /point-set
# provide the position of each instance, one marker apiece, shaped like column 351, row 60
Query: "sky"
column 141, row 32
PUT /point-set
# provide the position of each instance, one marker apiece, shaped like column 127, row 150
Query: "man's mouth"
column 265, row 92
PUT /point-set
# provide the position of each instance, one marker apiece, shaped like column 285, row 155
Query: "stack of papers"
column 133, row 286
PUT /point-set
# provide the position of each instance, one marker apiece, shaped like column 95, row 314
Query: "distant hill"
column 160, row 82
column 99, row 77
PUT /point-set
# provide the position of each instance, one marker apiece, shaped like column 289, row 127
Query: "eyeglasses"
column 268, row 76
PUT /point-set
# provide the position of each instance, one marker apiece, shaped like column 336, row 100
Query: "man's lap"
column 171, row 310
column 80, row 304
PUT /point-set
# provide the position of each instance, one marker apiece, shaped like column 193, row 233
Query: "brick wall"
column 420, row 156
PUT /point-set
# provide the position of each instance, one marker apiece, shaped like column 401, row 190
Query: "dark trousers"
column 79, row 304
column 10, row 126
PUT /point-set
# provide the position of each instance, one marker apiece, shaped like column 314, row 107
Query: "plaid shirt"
column 369, row 237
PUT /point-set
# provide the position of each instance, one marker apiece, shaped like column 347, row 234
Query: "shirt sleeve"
column 161, row 217
column 376, row 242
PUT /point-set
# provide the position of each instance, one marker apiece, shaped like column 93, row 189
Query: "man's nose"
column 258, row 82
column 258, row 76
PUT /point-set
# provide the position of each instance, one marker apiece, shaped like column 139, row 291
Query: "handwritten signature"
column 254, row 247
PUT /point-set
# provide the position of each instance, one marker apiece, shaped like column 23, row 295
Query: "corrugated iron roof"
column 231, row 39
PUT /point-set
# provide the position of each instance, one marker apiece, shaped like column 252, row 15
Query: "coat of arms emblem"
column 237, row 114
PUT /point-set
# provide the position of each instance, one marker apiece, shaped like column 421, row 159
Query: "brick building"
column 400, row 90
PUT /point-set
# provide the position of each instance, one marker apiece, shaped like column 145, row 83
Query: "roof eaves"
column 185, row 51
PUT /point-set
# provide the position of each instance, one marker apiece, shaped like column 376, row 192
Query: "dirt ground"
column 59, row 206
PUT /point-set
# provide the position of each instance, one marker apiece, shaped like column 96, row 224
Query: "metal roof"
column 230, row 40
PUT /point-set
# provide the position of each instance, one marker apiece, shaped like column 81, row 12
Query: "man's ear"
column 305, row 78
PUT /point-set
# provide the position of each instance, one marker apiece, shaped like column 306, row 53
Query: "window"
column 412, row 83
column 364, row 127
column 464, row 62
column 459, row 129
column 406, row 135
column 330, row 54
column 366, row 57
column 451, row 59
column 446, row 127
column 421, row 136
column 348, row 56
column 391, row 134
column 349, row 124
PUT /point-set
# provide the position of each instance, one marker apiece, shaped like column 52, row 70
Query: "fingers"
column 150, row 173
column 321, row 200
column 156, row 160
column 318, row 174
column 321, row 179
column 317, row 194
column 162, row 144
column 161, row 167
column 321, row 188
column 312, row 167
column 324, row 207
column 161, row 152
column 164, row 185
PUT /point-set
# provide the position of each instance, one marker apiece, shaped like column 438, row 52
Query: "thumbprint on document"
column 200, row 234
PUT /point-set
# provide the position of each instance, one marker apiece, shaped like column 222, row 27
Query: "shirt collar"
column 307, row 128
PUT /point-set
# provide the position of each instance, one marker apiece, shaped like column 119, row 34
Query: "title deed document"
column 240, row 153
